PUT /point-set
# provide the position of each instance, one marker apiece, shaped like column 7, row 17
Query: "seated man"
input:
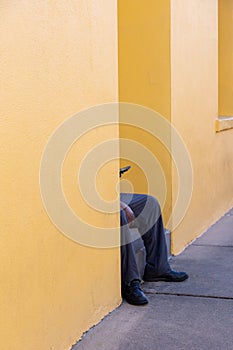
column 143, row 212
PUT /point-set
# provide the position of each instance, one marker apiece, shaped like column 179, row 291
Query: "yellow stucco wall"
column 225, row 58
column 144, row 79
column 168, row 61
column 61, row 57
column 57, row 57
column 194, row 69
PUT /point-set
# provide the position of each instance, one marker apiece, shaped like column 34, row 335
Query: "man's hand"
column 128, row 212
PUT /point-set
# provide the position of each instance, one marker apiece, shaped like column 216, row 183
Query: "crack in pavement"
column 147, row 291
column 212, row 245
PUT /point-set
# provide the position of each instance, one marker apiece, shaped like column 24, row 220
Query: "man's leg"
column 156, row 249
column 131, row 290
column 129, row 269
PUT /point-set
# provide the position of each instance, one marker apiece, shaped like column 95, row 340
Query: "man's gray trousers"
column 150, row 225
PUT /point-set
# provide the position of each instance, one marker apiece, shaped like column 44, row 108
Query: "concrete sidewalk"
column 195, row 314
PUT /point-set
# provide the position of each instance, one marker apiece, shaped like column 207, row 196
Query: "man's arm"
column 128, row 212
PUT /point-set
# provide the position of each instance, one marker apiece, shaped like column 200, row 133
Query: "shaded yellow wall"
column 225, row 57
column 194, row 72
column 56, row 58
column 144, row 79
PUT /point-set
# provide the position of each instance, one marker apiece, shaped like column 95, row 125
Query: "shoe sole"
column 163, row 279
column 136, row 304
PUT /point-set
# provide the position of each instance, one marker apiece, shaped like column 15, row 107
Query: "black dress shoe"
column 171, row 276
column 133, row 294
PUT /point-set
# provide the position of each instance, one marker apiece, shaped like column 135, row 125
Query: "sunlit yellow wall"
column 225, row 57
column 168, row 61
column 194, row 70
column 57, row 57
column 144, row 79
